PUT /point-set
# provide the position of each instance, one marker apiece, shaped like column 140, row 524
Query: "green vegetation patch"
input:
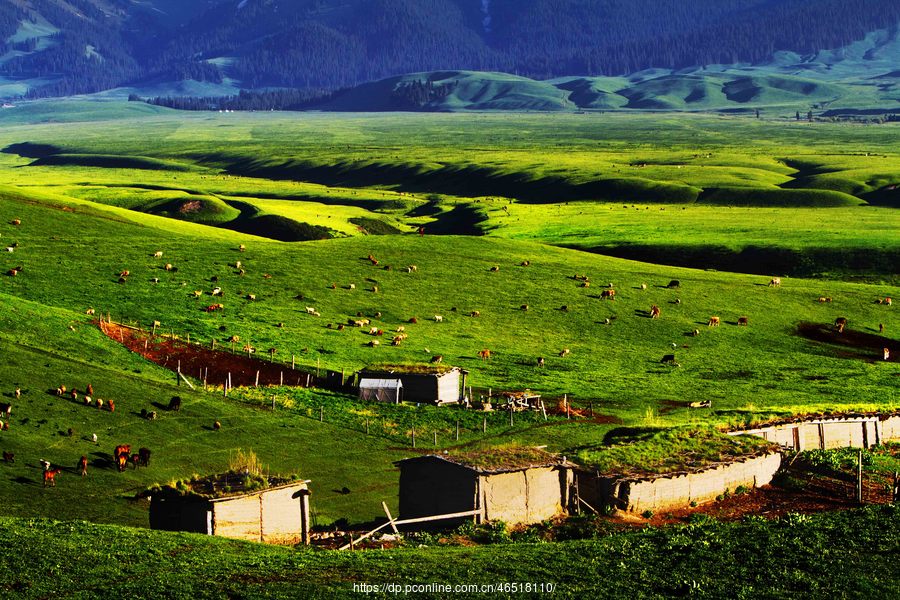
column 672, row 450
column 505, row 459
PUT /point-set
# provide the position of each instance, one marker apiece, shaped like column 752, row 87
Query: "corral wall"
column 676, row 490
column 528, row 496
column 829, row 433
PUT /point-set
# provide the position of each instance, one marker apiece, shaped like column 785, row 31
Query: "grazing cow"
column 12, row 272
column 242, row 248
column 310, row 310
column 564, row 352
column 217, row 291
column 564, row 308
column 9, row 457
column 151, row 416
column 401, row 329
column 251, row 297
column 525, row 263
column 50, row 477
column 437, row 358
column 135, row 460
column 412, row 269
column 523, row 307
column 743, row 321
column 713, row 322
column 888, row 301
column 18, row 392
column 840, row 323
column 695, row 332
column 94, row 437
column 373, row 331
column 111, row 405
column 144, row 454
column 89, row 312
column 484, row 354
column 122, row 462
column 6, row 409
column 668, row 359
column 175, row 403
column 643, row 286
column 397, row 340
column 198, row 293
column 881, row 328
column 608, row 295
column 438, row 319
column 88, row 400
column 654, row 312
column 374, row 343
column 775, row 282
column 157, row 254
column 887, row 353
column 540, row 361
column 74, row 395
column 414, row 320
column 16, row 222
column 82, row 466
column 238, row 265
column 585, row 284
column 10, row 249
column 674, row 284
column 475, row 313
column 124, row 273
column 495, row 269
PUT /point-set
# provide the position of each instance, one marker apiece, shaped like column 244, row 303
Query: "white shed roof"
column 373, row 383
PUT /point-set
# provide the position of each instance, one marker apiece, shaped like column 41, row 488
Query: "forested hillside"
column 69, row 46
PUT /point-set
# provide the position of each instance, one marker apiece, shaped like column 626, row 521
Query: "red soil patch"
column 198, row 361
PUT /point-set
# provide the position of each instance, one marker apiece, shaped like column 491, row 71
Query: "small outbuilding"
column 426, row 384
column 514, row 485
column 381, row 389
column 270, row 510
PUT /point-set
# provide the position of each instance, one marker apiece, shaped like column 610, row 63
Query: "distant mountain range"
column 564, row 54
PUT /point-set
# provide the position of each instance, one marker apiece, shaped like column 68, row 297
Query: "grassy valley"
column 693, row 214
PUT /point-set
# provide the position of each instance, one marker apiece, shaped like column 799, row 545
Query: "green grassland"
column 850, row 553
column 456, row 173
column 98, row 197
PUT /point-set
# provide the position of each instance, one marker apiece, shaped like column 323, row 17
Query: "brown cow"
column 608, row 295
column 713, row 322
column 484, row 354
column 743, row 321
column 887, row 354
column 654, row 312
column 775, row 282
column 144, row 454
column 564, row 352
column 82, row 466
column 437, row 358
column 540, row 361
column 840, row 323
column 50, row 476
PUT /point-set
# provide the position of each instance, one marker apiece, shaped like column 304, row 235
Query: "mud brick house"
column 278, row 513
column 426, row 384
column 517, row 485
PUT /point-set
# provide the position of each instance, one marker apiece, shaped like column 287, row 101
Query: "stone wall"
column 676, row 490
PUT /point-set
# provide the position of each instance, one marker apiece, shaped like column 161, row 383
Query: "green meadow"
column 514, row 207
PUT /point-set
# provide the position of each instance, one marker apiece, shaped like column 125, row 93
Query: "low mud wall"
column 827, row 433
column 676, row 490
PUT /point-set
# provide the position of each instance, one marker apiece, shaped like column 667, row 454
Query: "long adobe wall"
column 827, row 433
column 679, row 490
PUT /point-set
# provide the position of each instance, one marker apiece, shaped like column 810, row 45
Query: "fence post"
column 484, row 425
column 257, row 377
column 367, row 425
column 292, row 362
column 321, row 414
column 859, row 480
column 457, row 430
column 435, row 439
column 414, row 437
